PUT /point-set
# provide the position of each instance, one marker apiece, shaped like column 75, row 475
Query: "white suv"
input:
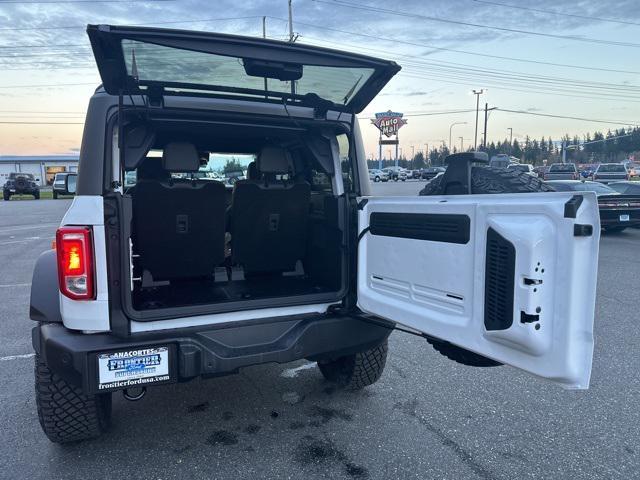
column 170, row 277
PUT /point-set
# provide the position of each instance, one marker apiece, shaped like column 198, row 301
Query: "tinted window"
column 612, row 168
column 345, row 162
column 562, row 167
column 166, row 64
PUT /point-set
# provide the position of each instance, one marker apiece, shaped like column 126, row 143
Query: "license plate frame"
column 625, row 217
column 134, row 367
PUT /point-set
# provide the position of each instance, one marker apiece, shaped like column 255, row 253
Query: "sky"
column 575, row 58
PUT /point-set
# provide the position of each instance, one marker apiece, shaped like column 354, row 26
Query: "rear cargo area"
column 272, row 230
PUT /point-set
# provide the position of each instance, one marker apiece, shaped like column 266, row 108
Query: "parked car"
column 562, row 171
column 376, row 175
column 429, row 173
column 232, row 177
column 634, row 169
column 415, row 174
column 522, row 168
column 182, row 281
column 64, row 184
column 396, row 173
column 541, row 170
column 617, row 211
column 609, row 172
column 19, row 183
column 502, row 160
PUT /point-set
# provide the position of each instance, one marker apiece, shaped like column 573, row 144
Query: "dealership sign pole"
column 388, row 123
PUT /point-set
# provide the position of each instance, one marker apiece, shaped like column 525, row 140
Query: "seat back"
column 179, row 224
column 269, row 216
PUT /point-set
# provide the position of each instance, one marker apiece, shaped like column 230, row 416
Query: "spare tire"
column 21, row 183
column 494, row 180
column 484, row 180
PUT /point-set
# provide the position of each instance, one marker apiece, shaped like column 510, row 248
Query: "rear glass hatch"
column 133, row 60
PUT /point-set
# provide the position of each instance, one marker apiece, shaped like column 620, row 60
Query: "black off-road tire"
column 484, row 180
column 36, row 195
column 65, row 413
column 376, row 179
column 6, row 196
column 357, row 371
column 495, row 180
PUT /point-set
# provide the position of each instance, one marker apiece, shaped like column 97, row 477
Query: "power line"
column 27, row 2
column 551, row 12
column 132, row 24
column 41, row 123
column 467, row 69
column 42, row 111
column 542, row 92
column 551, row 115
column 486, row 55
column 550, row 85
column 50, row 85
column 84, row 45
column 343, row 3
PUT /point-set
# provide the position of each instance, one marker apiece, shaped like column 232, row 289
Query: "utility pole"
column 461, row 146
column 510, row 135
column 413, row 155
column 291, row 39
column 380, row 151
column 477, row 93
column 426, row 154
column 486, row 116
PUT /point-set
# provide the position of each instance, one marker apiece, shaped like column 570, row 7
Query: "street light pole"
column 291, row 39
column 450, row 128
column 461, row 146
column 477, row 93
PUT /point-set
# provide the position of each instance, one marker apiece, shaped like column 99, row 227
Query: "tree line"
column 535, row 152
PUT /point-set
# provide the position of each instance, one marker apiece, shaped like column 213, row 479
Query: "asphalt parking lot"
column 426, row 418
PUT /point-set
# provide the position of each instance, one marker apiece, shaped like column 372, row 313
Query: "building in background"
column 42, row 167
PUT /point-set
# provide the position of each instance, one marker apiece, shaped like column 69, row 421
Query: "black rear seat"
column 179, row 223
column 269, row 216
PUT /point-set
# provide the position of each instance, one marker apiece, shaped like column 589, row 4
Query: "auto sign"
column 389, row 122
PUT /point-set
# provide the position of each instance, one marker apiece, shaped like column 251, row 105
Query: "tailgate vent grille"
column 448, row 228
column 500, row 270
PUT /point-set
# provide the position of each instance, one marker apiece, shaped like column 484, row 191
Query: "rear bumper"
column 209, row 351
column 611, row 217
column 610, row 179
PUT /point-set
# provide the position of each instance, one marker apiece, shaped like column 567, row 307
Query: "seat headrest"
column 180, row 157
column 151, row 169
column 274, row 159
column 252, row 171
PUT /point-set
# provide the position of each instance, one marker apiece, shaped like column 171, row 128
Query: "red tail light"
column 74, row 248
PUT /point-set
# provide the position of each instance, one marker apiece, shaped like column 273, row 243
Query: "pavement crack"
column 409, row 408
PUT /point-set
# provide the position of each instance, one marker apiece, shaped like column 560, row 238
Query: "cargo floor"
column 207, row 291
